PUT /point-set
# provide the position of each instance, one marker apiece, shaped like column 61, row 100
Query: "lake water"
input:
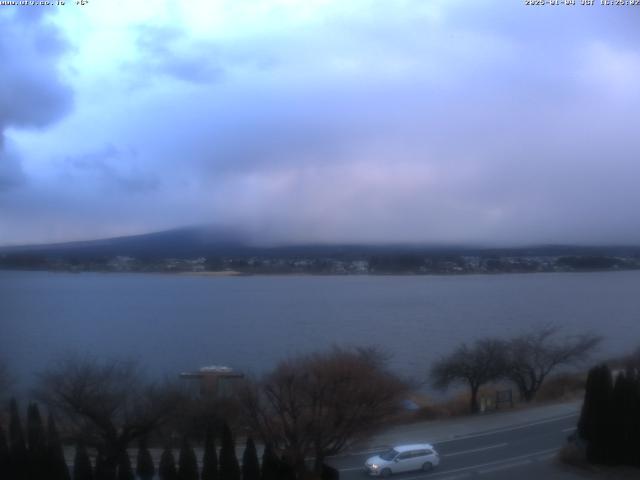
column 173, row 323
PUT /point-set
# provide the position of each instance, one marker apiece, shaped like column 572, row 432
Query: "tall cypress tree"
column 167, row 468
column 125, row 472
column 4, row 455
column 187, row 462
column 594, row 425
column 144, row 464
column 250, row 464
column 270, row 464
column 621, row 412
column 18, row 454
column 210, row 457
column 82, row 469
column 229, row 468
column 101, row 471
column 58, row 469
column 38, row 459
column 634, row 421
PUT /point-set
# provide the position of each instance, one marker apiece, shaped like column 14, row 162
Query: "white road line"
column 544, row 458
column 464, row 437
column 571, row 429
column 504, row 466
column 351, row 469
column 381, row 448
column 507, row 429
column 457, row 477
column 463, row 452
column 455, row 454
column 483, row 465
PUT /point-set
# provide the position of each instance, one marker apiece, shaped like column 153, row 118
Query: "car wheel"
column 427, row 466
column 385, row 473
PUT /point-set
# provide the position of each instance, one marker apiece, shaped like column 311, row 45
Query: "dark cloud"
column 11, row 174
column 421, row 121
column 31, row 92
column 167, row 50
column 111, row 168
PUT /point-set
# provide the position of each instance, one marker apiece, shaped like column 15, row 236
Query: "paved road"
column 523, row 451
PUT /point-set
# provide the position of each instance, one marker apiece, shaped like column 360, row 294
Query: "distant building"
column 214, row 380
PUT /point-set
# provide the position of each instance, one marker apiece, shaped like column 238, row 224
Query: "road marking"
column 504, row 466
column 507, row 429
column 463, row 452
column 378, row 449
column 544, row 458
column 457, row 477
column 528, row 456
column 382, row 448
column 566, row 430
column 351, row 469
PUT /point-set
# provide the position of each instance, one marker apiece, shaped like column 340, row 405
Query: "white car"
column 403, row 458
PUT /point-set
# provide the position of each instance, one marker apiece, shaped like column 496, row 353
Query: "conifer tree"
column 250, row 464
column 210, row 457
column 187, row 462
column 270, row 464
column 634, row 420
column 125, row 472
column 4, row 455
column 329, row 473
column 144, row 464
column 82, row 469
column 229, row 468
column 57, row 465
column 621, row 412
column 167, row 468
column 18, row 454
column 101, row 472
column 594, row 425
column 38, row 460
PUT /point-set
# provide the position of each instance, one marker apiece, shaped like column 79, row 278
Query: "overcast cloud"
column 408, row 121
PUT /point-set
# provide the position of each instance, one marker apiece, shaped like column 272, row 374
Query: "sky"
column 422, row 121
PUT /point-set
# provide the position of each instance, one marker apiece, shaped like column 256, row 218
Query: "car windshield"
column 389, row 454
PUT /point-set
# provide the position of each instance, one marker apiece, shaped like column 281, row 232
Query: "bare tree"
column 535, row 354
column 109, row 399
column 318, row 404
column 475, row 365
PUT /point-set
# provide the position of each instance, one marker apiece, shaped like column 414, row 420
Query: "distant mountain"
column 178, row 243
column 207, row 241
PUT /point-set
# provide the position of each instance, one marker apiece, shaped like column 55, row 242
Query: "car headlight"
column 374, row 466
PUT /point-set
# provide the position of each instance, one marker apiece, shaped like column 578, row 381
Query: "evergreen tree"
column 286, row 470
column 82, row 469
column 187, row 462
column 38, row 460
column 329, row 473
column 210, row 458
column 57, row 465
column 270, row 464
column 634, row 421
column 621, row 412
column 18, row 454
column 144, row 464
column 4, row 455
column 250, row 464
column 102, row 470
column 125, row 472
column 594, row 425
column 167, row 467
column 229, row 468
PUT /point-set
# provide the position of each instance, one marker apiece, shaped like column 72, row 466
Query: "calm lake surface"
column 173, row 323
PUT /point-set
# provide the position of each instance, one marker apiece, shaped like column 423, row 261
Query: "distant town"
column 388, row 263
column 204, row 251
